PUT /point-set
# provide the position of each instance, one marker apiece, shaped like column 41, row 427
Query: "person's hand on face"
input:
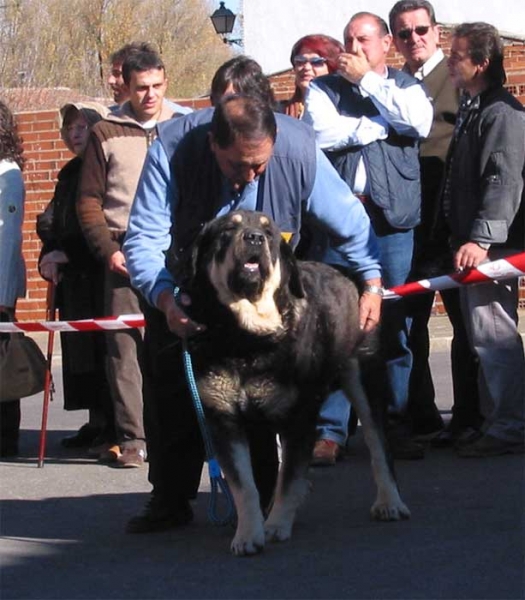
column 353, row 65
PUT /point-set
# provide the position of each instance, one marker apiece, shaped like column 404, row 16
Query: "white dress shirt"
column 407, row 110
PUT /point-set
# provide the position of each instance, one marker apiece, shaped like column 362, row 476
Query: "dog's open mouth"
column 251, row 266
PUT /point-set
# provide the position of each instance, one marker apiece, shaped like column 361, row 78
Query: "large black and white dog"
column 280, row 334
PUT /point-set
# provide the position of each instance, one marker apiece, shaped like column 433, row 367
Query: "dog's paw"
column 389, row 511
column 248, row 543
column 277, row 532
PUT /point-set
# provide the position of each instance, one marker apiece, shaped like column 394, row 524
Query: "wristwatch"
column 374, row 289
column 483, row 245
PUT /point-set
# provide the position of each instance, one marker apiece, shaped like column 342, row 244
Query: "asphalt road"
column 63, row 530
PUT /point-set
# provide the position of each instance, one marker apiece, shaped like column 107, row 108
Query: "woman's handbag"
column 23, row 367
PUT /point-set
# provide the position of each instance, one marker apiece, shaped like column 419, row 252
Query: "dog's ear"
column 291, row 271
column 193, row 257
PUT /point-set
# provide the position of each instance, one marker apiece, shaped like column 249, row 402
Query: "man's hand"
column 370, row 307
column 469, row 256
column 178, row 321
column 50, row 264
column 117, row 263
column 353, row 65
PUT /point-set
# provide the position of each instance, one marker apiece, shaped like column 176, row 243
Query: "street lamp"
column 223, row 20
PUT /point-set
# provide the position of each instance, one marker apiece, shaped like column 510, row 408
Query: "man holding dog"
column 246, row 157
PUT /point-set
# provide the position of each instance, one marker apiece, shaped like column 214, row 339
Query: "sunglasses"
column 300, row 61
column 405, row 34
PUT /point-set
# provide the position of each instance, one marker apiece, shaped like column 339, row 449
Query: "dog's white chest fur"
column 261, row 317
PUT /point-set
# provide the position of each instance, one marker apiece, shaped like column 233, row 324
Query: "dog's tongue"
column 251, row 266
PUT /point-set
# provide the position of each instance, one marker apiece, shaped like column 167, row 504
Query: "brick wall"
column 46, row 154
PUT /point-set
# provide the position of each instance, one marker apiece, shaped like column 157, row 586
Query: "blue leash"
column 217, row 481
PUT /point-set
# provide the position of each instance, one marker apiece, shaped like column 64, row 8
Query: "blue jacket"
column 286, row 183
column 169, row 208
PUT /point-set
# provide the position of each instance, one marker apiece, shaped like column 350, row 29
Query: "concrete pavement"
column 63, row 525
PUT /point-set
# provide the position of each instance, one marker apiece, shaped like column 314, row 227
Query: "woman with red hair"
column 311, row 56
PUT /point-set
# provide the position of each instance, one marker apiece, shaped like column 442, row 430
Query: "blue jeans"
column 396, row 258
column 396, row 250
column 332, row 423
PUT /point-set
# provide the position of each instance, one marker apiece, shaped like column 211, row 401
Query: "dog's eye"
column 227, row 233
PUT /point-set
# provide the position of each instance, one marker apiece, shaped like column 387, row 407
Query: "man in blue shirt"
column 239, row 156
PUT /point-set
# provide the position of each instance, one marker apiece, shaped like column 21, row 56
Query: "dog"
column 280, row 334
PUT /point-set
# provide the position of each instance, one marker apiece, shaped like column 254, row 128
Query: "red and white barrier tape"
column 103, row 324
column 504, row 268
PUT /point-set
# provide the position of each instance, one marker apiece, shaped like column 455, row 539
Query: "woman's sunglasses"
column 405, row 34
column 300, row 61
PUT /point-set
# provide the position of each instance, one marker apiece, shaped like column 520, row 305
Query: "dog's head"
column 249, row 266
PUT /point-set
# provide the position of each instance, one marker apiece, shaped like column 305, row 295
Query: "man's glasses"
column 406, row 34
column 300, row 61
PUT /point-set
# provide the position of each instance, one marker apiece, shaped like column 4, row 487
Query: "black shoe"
column 161, row 515
column 8, row 449
column 466, row 437
column 488, row 445
column 82, row 438
column 427, row 426
column 444, row 439
column 406, row 449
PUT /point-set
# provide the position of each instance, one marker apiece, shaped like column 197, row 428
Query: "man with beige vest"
column 416, row 37
column 113, row 162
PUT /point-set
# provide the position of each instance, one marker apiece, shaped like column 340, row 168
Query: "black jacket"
column 486, row 168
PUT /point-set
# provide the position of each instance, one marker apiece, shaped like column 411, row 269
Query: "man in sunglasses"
column 416, row 37
column 383, row 173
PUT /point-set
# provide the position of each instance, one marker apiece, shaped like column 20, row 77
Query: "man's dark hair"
column 484, row 42
column 245, row 77
column 122, row 54
column 240, row 116
column 381, row 23
column 145, row 60
column 404, row 6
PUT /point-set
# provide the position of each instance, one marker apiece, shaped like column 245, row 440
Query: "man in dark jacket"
column 482, row 206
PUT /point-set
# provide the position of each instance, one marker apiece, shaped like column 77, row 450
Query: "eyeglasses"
column 316, row 62
column 406, row 34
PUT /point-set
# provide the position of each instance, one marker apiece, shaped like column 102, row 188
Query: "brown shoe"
column 110, row 454
column 131, row 458
column 325, row 454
